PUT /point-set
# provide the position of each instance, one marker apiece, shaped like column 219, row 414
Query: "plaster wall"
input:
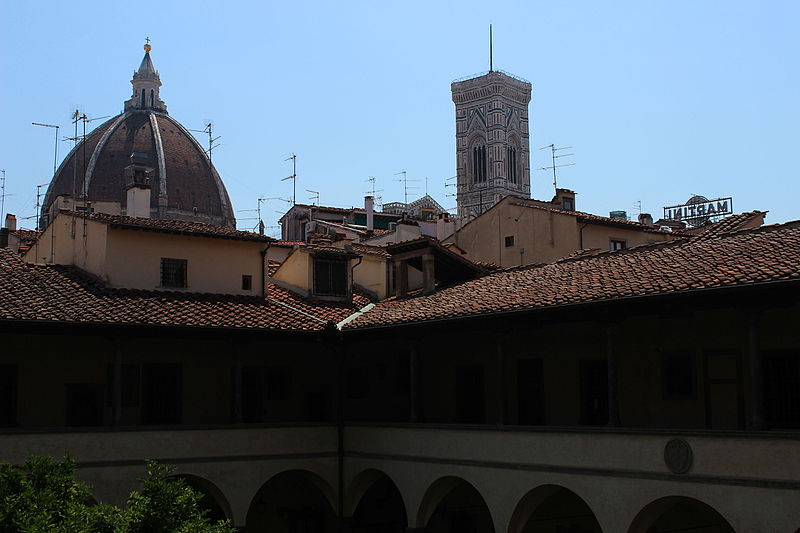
column 600, row 236
column 72, row 241
column 371, row 274
column 213, row 265
column 296, row 270
column 617, row 475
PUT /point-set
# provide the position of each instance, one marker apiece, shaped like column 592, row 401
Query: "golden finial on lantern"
column 147, row 46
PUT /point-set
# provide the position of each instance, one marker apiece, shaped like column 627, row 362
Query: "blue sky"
column 659, row 100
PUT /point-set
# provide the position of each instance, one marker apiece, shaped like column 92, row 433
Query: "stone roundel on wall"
column 678, row 456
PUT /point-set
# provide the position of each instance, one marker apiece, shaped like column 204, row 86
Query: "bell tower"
column 492, row 146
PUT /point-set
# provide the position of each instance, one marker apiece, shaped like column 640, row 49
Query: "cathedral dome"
column 183, row 182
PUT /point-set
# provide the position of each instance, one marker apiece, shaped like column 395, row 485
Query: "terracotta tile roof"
column 273, row 267
column 179, row 227
column 287, row 244
column 730, row 224
column 63, row 294
column 26, row 235
column 369, row 249
column 590, row 218
column 751, row 256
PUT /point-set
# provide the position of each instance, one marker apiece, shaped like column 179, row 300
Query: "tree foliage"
column 42, row 496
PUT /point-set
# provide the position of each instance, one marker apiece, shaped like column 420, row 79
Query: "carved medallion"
column 678, row 456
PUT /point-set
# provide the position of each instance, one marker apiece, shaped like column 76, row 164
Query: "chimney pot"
column 369, row 207
column 11, row 222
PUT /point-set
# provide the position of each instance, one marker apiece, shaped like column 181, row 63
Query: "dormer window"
column 330, row 277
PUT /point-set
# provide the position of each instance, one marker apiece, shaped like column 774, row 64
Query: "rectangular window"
column 84, row 404
column 8, row 395
column 252, row 394
column 247, row 283
column 530, row 391
column 617, row 244
column 470, row 394
column 173, row 273
column 594, row 392
column 509, row 241
column 278, row 381
column 782, row 388
column 162, row 393
column 568, row 205
column 130, row 384
column 357, row 383
column 330, row 277
column 678, row 375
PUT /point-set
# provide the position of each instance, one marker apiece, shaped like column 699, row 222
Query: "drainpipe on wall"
column 264, row 271
column 580, row 244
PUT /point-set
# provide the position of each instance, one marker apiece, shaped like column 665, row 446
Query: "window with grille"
column 173, row 272
column 330, row 277
column 509, row 241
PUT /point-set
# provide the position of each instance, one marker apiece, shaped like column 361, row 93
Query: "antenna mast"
column 554, row 152
column 39, row 205
column 2, row 194
column 209, row 129
column 491, row 69
column 405, row 181
column 293, row 177
column 55, row 155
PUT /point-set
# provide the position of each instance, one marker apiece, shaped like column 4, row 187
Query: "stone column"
column 613, row 389
column 756, row 389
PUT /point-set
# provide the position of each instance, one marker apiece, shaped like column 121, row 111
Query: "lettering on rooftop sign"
column 699, row 210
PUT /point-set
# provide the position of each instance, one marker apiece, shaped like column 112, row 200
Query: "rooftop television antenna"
column 314, row 197
column 208, row 128
column 491, row 66
column 39, row 204
column 293, row 177
column 405, row 181
column 555, row 154
column 55, row 155
column 373, row 179
column 2, row 194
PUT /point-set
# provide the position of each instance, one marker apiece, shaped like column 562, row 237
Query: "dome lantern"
column 146, row 83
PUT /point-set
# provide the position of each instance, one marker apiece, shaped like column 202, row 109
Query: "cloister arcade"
column 303, row 501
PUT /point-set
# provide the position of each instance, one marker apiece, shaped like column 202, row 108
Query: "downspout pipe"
column 580, row 244
column 264, row 271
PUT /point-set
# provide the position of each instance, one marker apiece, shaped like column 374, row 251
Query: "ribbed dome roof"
column 184, row 183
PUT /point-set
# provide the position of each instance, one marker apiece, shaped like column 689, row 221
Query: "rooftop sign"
column 698, row 210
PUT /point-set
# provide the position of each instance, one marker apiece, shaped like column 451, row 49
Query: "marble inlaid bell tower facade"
column 492, row 145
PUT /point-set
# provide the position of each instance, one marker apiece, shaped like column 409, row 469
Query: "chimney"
column 369, row 207
column 646, row 219
column 137, row 176
column 11, row 222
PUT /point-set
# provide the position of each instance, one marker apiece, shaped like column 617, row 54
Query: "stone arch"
column 453, row 504
column 679, row 513
column 555, row 506
column 293, row 500
column 375, row 504
column 213, row 499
